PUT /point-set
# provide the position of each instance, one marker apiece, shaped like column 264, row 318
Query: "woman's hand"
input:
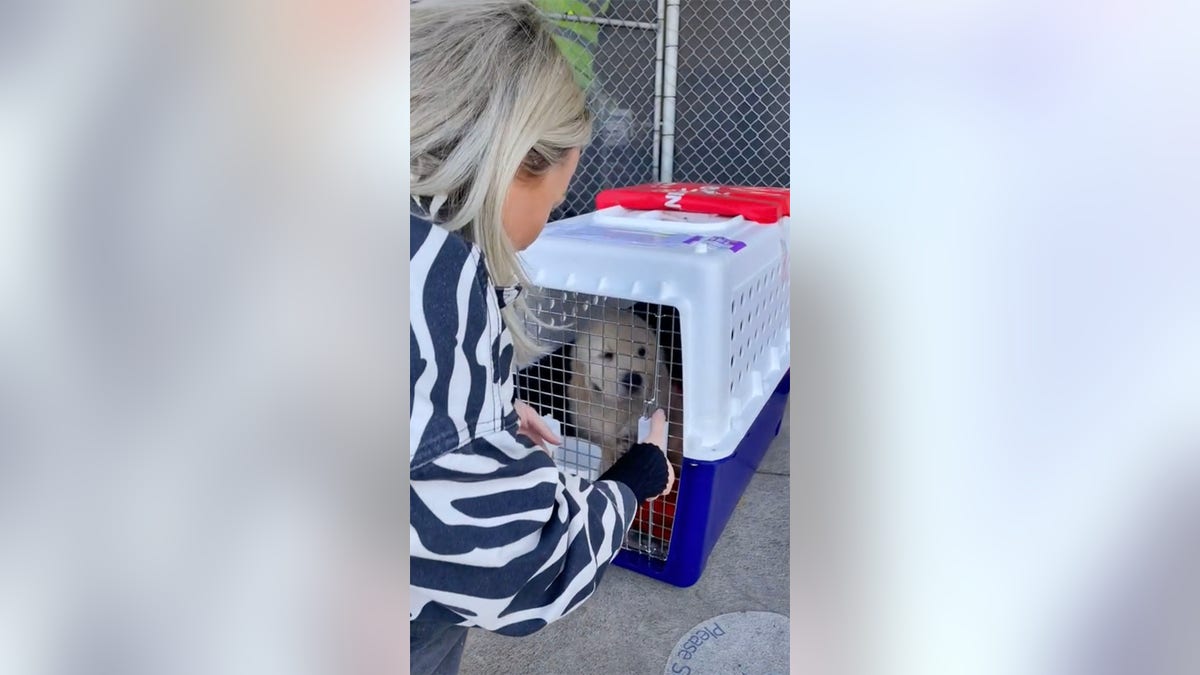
column 534, row 427
column 658, row 436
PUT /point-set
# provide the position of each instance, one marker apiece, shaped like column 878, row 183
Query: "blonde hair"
column 492, row 95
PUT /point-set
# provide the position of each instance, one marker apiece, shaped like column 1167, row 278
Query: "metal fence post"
column 658, row 87
column 670, row 71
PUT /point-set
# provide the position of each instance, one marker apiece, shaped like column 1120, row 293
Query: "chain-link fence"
column 731, row 119
column 622, row 96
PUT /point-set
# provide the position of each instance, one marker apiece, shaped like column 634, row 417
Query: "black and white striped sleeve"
column 499, row 537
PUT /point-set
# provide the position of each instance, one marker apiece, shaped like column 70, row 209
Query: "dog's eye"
column 608, row 355
column 641, row 351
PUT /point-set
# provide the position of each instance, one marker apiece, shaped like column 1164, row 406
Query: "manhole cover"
column 743, row 643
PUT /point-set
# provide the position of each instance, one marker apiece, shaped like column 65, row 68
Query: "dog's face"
column 617, row 356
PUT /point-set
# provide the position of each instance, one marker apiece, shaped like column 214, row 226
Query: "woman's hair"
column 492, row 94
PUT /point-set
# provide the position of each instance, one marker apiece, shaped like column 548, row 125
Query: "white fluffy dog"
column 616, row 369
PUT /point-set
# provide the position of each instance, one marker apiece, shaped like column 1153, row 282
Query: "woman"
column 500, row 539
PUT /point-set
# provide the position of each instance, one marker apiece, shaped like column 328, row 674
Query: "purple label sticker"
column 719, row 242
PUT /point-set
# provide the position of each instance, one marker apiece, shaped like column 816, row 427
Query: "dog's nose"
column 632, row 380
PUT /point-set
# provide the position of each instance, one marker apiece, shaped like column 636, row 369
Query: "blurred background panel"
column 1003, row 195
column 198, row 329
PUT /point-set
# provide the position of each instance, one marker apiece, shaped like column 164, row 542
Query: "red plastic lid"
column 757, row 204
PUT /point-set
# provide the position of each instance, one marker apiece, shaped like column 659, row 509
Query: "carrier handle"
column 762, row 205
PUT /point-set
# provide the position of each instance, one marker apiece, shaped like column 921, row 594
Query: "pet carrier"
column 674, row 297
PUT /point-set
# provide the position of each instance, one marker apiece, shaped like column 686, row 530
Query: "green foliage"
column 579, row 55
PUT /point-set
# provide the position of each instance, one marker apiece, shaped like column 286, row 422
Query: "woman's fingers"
column 533, row 426
column 658, row 430
column 670, row 479
column 658, row 436
column 542, row 430
column 522, row 409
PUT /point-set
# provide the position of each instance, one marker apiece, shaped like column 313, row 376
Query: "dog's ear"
column 576, row 374
column 573, row 364
column 566, row 363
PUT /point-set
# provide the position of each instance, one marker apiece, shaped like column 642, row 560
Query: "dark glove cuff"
column 643, row 469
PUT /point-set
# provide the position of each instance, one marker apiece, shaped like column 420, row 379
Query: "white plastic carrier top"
column 727, row 277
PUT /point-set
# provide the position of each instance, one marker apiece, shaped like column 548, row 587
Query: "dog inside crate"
column 612, row 363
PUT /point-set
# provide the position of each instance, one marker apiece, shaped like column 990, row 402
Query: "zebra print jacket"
column 499, row 538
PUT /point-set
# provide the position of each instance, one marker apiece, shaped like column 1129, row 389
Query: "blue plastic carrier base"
column 708, row 493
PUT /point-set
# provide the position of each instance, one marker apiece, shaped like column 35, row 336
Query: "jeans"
column 435, row 648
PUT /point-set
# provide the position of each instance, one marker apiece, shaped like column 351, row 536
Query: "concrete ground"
column 632, row 623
